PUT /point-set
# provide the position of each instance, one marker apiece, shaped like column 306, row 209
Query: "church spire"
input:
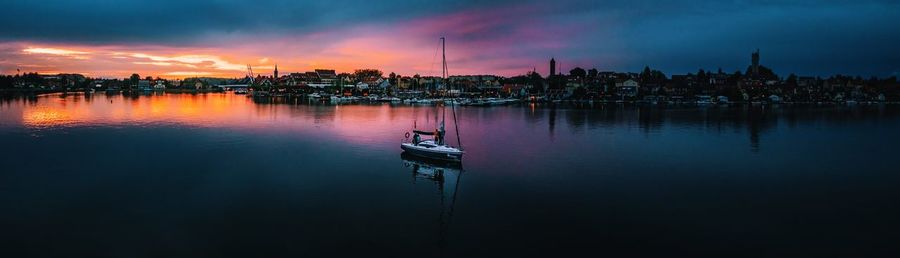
column 276, row 71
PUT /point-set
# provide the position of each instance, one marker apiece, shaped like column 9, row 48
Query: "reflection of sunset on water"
column 358, row 124
column 46, row 117
column 192, row 110
column 372, row 127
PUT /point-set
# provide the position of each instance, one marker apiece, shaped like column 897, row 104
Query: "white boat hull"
column 439, row 152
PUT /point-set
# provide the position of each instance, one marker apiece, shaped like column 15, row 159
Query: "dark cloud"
column 184, row 22
column 808, row 37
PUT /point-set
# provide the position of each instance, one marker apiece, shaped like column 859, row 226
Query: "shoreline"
column 438, row 101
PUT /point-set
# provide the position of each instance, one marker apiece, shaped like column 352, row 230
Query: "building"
column 755, row 63
column 627, row 88
column 143, row 85
column 807, row 81
column 384, row 85
column 552, row 67
column 513, row 90
column 482, row 82
column 326, row 76
column 321, row 78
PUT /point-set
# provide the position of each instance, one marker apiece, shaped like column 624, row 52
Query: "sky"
column 183, row 38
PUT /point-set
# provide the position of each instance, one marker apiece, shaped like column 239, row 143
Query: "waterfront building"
column 369, row 82
column 143, row 85
column 326, row 75
column 481, row 82
column 513, row 90
column 627, row 88
column 384, row 85
column 807, row 81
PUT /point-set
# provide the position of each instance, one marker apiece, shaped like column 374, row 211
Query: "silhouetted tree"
column 592, row 73
column 578, row 72
column 537, row 82
column 134, row 79
column 702, row 76
column 392, row 78
column 361, row 74
column 791, row 80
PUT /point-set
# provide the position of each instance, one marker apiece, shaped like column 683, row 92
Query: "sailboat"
column 436, row 147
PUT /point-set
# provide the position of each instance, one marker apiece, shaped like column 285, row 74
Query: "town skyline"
column 504, row 38
column 553, row 67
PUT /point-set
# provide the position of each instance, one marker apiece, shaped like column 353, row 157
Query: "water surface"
column 180, row 175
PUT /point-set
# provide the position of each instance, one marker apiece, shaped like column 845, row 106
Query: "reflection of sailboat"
column 430, row 169
column 440, row 173
column 435, row 148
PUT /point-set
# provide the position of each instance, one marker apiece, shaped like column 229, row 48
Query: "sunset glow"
column 449, row 128
column 482, row 38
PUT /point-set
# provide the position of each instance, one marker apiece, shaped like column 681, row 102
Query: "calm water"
column 221, row 175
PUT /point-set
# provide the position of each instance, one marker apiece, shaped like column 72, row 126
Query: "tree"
column 764, row 73
column 537, row 82
column 791, row 80
column 578, row 72
column 361, row 74
column 6, row 81
column 135, row 78
column 392, row 78
column 592, row 73
column 650, row 75
column 701, row 76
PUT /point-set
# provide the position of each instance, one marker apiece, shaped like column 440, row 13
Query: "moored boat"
column 435, row 148
column 431, row 148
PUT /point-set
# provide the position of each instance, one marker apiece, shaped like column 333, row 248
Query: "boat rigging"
column 436, row 147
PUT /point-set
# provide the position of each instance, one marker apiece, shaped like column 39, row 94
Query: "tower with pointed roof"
column 755, row 63
column 552, row 66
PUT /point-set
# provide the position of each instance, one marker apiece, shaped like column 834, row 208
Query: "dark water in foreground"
column 219, row 175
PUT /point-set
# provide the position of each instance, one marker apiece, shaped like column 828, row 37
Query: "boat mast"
column 444, row 78
column 446, row 74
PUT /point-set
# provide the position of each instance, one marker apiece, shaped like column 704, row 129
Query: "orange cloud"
column 56, row 51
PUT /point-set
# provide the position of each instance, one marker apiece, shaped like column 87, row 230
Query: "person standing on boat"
column 438, row 138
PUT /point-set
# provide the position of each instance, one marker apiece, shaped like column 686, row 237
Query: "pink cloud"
column 508, row 41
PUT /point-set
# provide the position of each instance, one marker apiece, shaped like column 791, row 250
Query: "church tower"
column 552, row 67
column 755, row 58
column 276, row 71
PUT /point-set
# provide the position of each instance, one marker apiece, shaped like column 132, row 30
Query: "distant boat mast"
column 250, row 73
